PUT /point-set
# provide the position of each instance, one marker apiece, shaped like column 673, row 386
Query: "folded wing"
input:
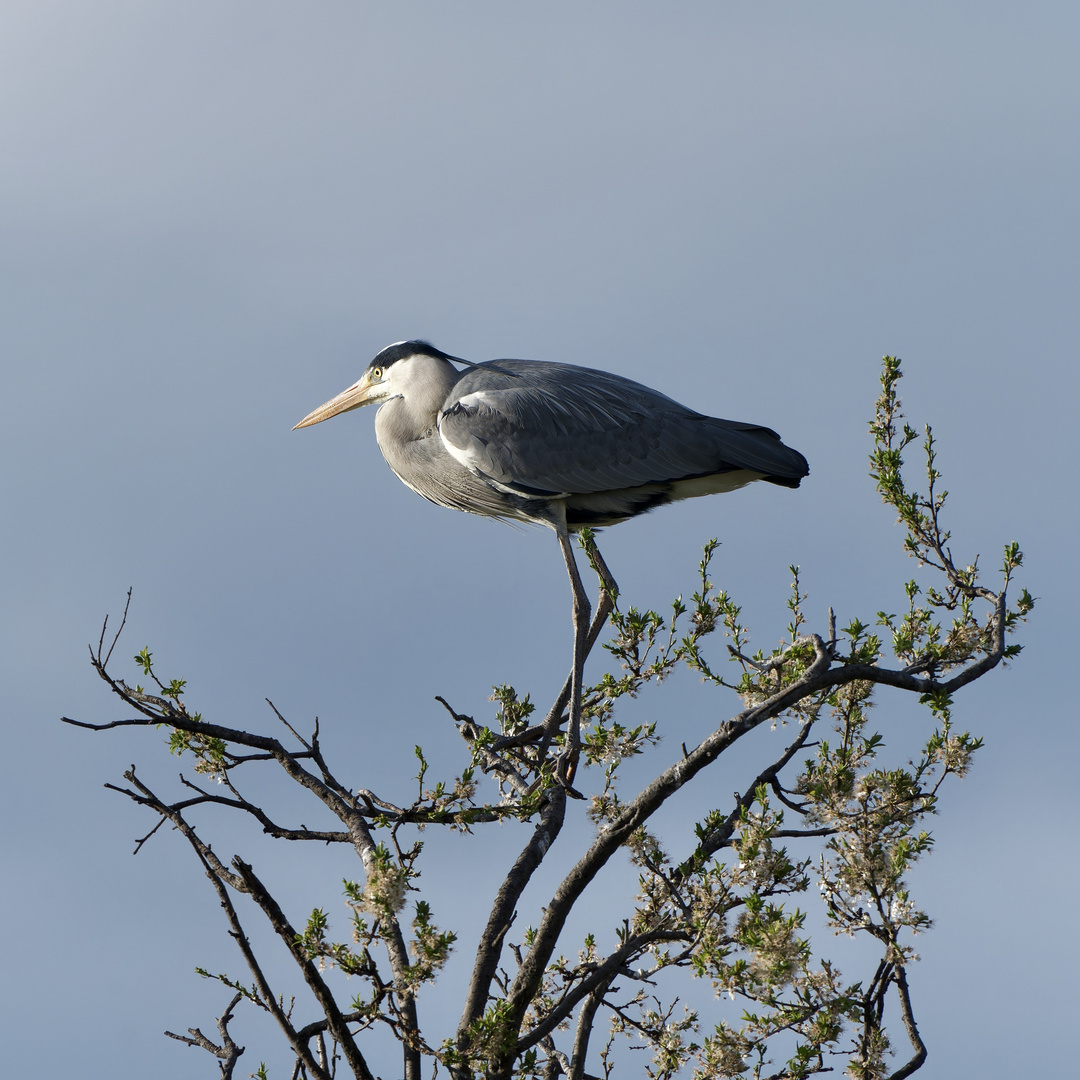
column 554, row 429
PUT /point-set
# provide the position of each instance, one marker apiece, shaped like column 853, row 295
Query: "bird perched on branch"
column 553, row 444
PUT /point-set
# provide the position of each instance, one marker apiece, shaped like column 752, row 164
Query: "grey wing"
column 547, row 429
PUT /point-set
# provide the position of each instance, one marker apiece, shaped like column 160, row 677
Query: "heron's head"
column 393, row 373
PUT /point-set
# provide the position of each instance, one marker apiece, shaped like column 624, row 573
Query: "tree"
column 716, row 903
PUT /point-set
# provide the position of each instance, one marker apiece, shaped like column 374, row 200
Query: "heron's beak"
column 360, row 393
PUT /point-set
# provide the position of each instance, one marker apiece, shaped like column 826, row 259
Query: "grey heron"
column 552, row 444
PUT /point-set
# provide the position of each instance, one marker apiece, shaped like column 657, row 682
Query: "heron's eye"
column 376, row 373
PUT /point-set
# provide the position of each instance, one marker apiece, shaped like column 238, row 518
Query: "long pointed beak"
column 358, row 394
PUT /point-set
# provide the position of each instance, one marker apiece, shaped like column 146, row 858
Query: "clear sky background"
column 213, row 214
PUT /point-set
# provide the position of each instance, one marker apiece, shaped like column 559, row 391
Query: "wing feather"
column 554, row 429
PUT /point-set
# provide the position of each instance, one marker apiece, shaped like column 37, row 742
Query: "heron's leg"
column 545, row 731
column 568, row 759
column 604, row 607
column 609, row 590
column 605, row 604
column 550, row 725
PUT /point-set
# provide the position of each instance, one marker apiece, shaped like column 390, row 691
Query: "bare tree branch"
column 547, row 829
column 335, row 1021
column 228, row 1052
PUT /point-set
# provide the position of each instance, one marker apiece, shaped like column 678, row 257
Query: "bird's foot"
column 565, row 768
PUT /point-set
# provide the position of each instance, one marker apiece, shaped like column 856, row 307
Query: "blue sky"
column 212, row 216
